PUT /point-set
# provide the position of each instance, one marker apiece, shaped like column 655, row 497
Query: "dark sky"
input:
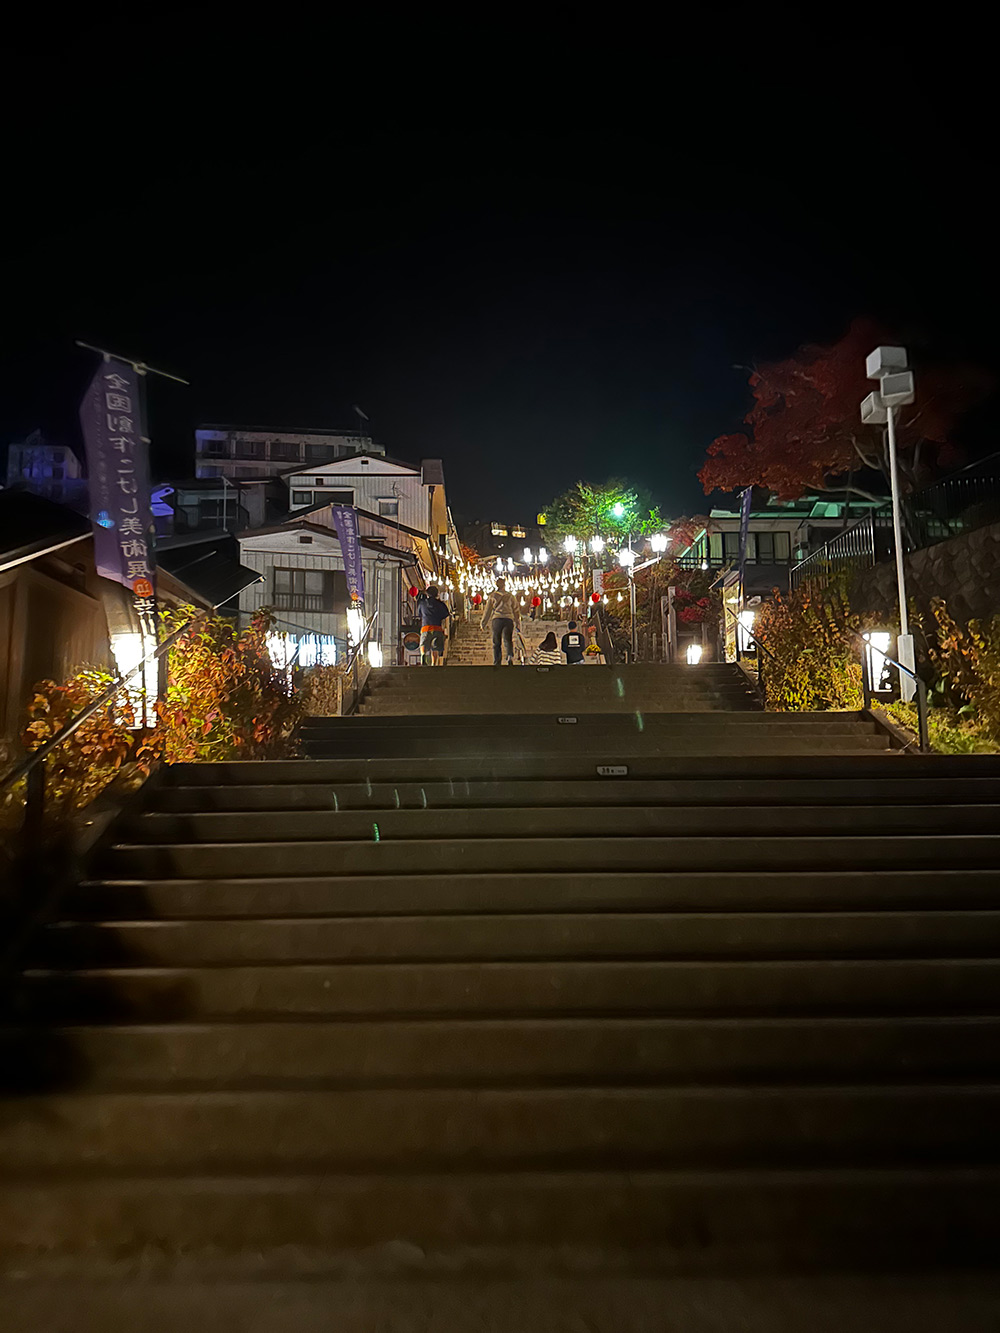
column 533, row 305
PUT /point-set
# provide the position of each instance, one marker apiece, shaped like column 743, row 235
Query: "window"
column 320, row 453
column 731, row 545
column 768, row 548
column 215, row 448
column 302, row 497
column 209, row 471
column 339, row 497
column 301, row 590
column 388, row 508
column 57, row 474
column 285, row 453
column 250, row 449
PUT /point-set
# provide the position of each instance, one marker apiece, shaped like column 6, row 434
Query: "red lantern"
column 414, row 591
column 536, row 601
column 477, row 597
column 595, row 596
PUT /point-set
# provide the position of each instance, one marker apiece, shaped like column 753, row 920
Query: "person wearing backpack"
column 573, row 645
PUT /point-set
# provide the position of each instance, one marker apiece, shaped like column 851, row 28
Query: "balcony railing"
column 300, row 601
column 955, row 505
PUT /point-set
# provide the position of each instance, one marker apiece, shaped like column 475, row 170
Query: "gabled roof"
column 330, row 533
column 365, row 513
column 31, row 526
column 336, row 463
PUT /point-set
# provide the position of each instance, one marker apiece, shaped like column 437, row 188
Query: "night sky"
column 532, row 307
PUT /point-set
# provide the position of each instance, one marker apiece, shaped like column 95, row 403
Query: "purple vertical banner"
column 118, row 471
column 744, row 529
column 345, row 520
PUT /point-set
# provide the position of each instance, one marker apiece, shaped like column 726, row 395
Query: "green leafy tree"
column 613, row 509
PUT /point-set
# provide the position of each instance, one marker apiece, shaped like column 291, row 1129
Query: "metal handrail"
column 749, row 633
column 33, row 770
column 923, row 730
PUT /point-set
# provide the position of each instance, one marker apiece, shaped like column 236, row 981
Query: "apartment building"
column 242, row 452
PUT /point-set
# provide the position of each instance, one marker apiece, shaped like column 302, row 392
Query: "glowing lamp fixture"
column 618, row 509
column 543, row 555
column 527, row 555
column 878, row 669
column 597, row 545
column 355, row 624
column 658, row 542
column 694, row 654
column 570, row 544
column 375, row 654
column 626, row 557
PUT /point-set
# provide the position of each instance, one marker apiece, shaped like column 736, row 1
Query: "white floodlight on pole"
column 570, row 544
column 658, row 542
column 896, row 389
column 597, row 545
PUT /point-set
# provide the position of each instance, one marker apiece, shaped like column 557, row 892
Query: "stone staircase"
column 447, row 999
column 646, row 689
column 472, row 646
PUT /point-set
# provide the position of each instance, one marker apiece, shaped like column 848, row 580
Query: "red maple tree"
column 804, row 431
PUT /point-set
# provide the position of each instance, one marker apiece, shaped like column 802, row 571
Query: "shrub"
column 321, row 690
column 225, row 699
column 79, row 770
column 967, row 662
column 812, row 636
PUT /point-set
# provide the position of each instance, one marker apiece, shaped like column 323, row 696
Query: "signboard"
column 612, row 770
column 345, row 520
column 599, row 580
column 118, row 468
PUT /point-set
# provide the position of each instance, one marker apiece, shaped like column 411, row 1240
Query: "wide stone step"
column 680, row 794
column 520, row 1128
column 157, row 994
column 492, row 937
column 598, row 750
column 497, row 765
column 575, row 821
column 675, row 1221
column 526, row 1128
column 491, row 893
column 397, row 856
column 499, row 1052
column 490, row 723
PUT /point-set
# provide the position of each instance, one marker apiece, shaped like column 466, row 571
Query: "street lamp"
column 618, row 509
column 626, row 558
column 543, row 555
column 896, row 389
column 527, row 555
column 597, row 545
column 658, row 542
column 570, row 544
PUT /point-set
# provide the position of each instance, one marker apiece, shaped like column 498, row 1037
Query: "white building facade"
column 302, row 579
column 241, row 453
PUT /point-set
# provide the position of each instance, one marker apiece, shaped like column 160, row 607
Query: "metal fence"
column 968, row 500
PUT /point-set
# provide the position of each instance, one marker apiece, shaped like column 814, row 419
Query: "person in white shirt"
column 502, row 613
column 547, row 653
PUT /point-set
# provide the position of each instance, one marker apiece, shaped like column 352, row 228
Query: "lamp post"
column 896, row 389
